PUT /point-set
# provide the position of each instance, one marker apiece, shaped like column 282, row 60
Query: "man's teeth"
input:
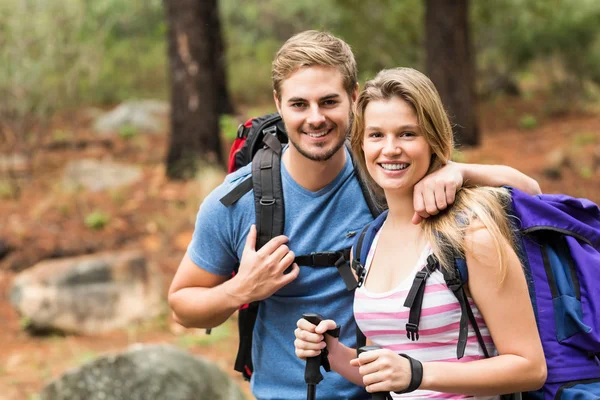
column 317, row 134
column 394, row 167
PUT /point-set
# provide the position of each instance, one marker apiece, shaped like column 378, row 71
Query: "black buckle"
column 412, row 331
column 271, row 130
column 324, row 258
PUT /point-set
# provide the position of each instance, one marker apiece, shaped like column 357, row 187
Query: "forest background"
column 68, row 62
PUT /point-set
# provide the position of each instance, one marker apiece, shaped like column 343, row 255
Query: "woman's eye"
column 407, row 134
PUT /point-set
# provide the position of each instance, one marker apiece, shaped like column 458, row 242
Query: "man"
column 315, row 85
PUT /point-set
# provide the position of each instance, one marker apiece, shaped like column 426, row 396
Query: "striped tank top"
column 382, row 317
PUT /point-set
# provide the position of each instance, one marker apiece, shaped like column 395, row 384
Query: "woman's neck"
column 401, row 207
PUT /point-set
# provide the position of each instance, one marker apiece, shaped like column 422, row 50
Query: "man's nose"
column 316, row 117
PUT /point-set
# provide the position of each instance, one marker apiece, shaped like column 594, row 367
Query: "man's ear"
column 355, row 93
column 276, row 98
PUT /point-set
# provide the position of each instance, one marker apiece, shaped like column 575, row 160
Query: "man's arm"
column 202, row 299
column 497, row 175
column 435, row 191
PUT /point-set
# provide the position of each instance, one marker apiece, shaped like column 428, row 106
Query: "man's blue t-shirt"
column 325, row 220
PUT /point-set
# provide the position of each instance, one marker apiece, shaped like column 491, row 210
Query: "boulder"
column 96, row 175
column 151, row 372
column 143, row 116
column 88, row 294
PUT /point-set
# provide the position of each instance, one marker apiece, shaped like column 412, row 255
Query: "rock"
column 99, row 175
column 145, row 373
column 143, row 116
column 88, row 294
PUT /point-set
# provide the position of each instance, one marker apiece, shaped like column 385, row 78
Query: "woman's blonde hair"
column 445, row 231
column 313, row 48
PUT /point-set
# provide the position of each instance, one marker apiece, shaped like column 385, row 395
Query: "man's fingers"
column 282, row 257
column 416, row 219
column 429, row 200
column 272, row 245
column 440, row 198
column 418, row 202
column 451, row 193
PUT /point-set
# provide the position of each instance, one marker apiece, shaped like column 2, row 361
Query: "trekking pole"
column 312, row 372
column 378, row 395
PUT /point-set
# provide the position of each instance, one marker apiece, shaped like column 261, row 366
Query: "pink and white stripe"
column 382, row 317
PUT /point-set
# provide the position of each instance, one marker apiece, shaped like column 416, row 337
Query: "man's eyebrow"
column 323, row 98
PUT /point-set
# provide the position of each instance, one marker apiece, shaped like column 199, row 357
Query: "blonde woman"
column 401, row 134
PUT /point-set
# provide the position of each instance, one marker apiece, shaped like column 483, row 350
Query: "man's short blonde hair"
column 314, row 48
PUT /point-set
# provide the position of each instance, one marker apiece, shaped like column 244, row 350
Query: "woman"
column 402, row 133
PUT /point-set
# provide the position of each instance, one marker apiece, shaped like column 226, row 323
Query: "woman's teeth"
column 394, row 167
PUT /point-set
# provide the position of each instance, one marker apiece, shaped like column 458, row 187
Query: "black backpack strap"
column 237, row 192
column 268, row 204
column 339, row 259
column 414, row 299
column 246, row 320
column 268, row 191
column 457, row 285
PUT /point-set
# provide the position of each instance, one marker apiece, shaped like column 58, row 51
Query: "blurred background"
column 116, row 117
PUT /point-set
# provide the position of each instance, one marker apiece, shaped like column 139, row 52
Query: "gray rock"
column 145, row 373
column 144, row 116
column 98, row 175
column 88, row 294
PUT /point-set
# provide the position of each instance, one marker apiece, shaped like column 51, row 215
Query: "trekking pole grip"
column 378, row 395
column 312, row 372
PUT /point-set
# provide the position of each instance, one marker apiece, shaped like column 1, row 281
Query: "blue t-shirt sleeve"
column 220, row 232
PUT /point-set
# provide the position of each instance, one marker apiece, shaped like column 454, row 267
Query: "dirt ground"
column 561, row 152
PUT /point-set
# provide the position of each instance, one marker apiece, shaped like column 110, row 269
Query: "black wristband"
column 416, row 375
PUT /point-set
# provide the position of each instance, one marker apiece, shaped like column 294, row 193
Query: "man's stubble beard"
column 330, row 153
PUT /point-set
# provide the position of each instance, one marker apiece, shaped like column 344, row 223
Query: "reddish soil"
column 158, row 215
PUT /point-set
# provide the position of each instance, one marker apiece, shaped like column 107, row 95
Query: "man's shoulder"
column 230, row 182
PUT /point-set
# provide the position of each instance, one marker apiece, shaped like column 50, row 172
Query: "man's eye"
column 297, row 105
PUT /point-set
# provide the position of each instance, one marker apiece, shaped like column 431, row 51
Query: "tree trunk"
column 224, row 105
column 195, row 135
column 450, row 65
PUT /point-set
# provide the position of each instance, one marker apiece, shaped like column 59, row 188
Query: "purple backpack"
column 558, row 242
column 560, row 251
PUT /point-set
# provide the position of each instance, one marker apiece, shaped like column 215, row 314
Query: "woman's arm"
column 506, row 307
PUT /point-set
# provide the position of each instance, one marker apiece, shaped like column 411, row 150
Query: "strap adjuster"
column 412, row 331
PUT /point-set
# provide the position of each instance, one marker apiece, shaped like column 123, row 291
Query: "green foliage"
column 96, row 220
column 229, row 127
column 63, row 53
column 584, row 138
column 202, row 339
column 60, row 54
column 528, row 121
column 127, row 131
column 7, row 190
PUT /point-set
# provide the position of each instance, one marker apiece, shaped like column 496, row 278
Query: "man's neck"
column 313, row 175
